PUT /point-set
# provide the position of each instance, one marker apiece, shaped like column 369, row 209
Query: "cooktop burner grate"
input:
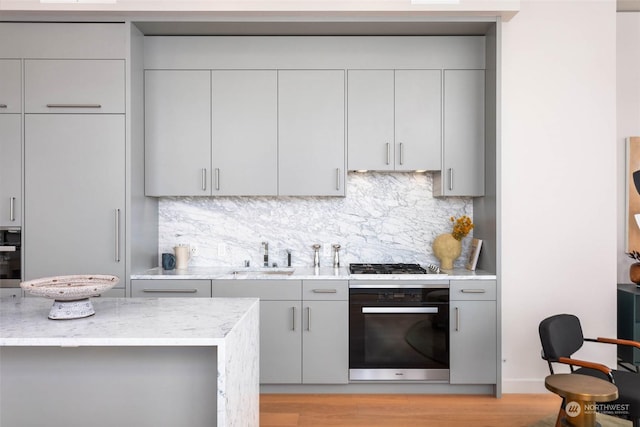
column 386, row 269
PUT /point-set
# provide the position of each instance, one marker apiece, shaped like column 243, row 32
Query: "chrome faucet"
column 265, row 245
column 316, row 255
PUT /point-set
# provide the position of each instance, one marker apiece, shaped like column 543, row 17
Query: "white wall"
column 558, row 179
column 628, row 100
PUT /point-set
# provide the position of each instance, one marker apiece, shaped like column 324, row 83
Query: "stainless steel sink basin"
column 279, row 271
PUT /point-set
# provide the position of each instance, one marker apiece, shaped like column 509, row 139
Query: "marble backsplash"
column 385, row 217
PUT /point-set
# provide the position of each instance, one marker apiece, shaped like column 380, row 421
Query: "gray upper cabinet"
column 311, row 126
column 464, row 147
column 74, row 194
column 10, row 86
column 10, row 169
column 394, row 120
column 74, row 86
column 245, row 132
column 177, row 133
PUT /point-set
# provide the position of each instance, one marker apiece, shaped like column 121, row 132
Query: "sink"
column 279, row 271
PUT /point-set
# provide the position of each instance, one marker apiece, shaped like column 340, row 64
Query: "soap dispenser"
column 336, row 255
column 316, row 255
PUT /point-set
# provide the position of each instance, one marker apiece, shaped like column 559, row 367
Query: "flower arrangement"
column 635, row 255
column 461, row 227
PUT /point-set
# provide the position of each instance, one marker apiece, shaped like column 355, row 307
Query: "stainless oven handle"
column 8, row 248
column 379, row 310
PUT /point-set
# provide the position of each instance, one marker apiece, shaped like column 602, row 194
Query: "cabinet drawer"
column 10, row 86
column 325, row 290
column 287, row 290
column 472, row 290
column 74, row 86
column 171, row 288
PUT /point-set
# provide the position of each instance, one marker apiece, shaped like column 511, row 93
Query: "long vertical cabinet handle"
column 450, row 179
column 457, row 319
column 337, row 179
column 204, row 179
column 117, row 239
column 388, row 153
column 293, row 318
column 12, row 208
column 308, row 318
column 401, row 153
column 216, row 176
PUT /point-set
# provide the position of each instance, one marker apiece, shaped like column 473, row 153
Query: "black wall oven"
column 398, row 330
column 10, row 257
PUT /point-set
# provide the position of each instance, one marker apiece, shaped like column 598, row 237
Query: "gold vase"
column 447, row 248
column 634, row 273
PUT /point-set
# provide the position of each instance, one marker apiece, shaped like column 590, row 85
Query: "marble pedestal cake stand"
column 70, row 293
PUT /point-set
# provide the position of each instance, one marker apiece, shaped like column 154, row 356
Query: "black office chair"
column 561, row 336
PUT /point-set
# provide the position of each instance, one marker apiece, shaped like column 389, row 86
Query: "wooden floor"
column 318, row 410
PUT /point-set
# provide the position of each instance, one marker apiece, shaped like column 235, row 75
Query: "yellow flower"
column 461, row 227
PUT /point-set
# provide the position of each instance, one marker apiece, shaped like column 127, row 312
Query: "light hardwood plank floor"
column 401, row 410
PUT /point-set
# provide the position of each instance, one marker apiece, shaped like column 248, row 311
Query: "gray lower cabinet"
column 464, row 140
column 311, row 133
column 280, row 325
column 303, row 328
column 394, row 120
column 325, row 333
column 74, row 194
column 473, row 332
column 177, row 132
column 10, row 170
column 190, row 288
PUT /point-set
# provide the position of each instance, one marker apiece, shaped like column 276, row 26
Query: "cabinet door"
column 10, row 86
column 245, row 133
column 370, row 134
column 463, row 167
column 177, row 133
column 74, row 194
column 473, row 342
column 311, row 150
column 10, row 169
column 171, row 288
column 74, row 86
column 280, row 342
column 325, row 342
column 418, row 120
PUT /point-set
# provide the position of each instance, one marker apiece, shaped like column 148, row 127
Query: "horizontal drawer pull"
column 74, row 106
column 8, row 248
column 399, row 310
column 324, row 291
column 175, row 291
column 473, row 291
column 3, row 106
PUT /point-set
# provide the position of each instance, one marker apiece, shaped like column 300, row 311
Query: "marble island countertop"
column 124, row 322
column 299, row 273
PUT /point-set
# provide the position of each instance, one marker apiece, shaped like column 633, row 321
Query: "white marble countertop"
column 300, row 273
column 124, row 322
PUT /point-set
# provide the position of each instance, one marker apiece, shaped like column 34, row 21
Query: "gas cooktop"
column 390, row 269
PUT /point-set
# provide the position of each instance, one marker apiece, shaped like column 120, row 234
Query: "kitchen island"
column 139, row 361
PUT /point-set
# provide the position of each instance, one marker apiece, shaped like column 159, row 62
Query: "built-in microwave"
column 10, row 257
